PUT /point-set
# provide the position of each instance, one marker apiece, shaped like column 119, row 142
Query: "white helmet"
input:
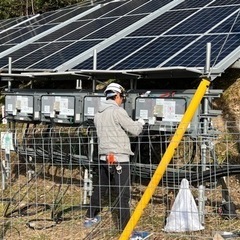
column 114, row 88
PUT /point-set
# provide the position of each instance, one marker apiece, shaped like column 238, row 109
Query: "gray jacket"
column 113, row 123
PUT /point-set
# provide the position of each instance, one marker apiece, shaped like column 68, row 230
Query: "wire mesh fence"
column 48, row 174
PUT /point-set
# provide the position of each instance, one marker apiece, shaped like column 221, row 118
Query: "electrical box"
column 91, row 105
column 129, row 105
column 63, row 109
column 163, row 112
column 22, row 107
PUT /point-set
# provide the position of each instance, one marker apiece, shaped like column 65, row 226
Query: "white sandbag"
column 184, row 213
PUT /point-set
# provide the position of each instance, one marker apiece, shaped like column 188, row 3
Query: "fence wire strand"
column 46, row 192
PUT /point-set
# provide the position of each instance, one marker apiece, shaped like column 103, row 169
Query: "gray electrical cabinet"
column 163, row 112
column 22, row 107
column 91, row 105
column 61, row 108
column 162, row 109
column 129, row 105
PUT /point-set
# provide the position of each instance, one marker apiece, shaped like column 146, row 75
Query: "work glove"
column 141, row 120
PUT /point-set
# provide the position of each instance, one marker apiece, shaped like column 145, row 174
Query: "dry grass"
column 48, row 190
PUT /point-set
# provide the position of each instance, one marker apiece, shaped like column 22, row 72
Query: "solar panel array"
column 180, row 42
column 78, row 36
column 133, row 34
column 13, row 36
column 7, row 23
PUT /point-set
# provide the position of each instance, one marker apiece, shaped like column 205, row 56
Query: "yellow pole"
column 157, row 176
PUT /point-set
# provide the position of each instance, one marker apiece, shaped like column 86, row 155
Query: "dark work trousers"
column 110, row 179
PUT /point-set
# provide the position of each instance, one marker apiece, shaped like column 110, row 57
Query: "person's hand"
column 141, row 120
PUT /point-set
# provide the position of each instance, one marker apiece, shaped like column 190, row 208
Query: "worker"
column 113, row 125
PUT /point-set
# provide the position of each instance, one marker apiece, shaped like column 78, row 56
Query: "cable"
column 41, row 224
column 63, row 215
column 174, row 177
column 28, row 210
column 20, row 190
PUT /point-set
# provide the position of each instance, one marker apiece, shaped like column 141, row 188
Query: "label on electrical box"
column 160, row 109
column 90, row 111
column 143, row 113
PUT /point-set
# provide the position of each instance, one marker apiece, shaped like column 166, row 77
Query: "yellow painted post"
column 157, row 176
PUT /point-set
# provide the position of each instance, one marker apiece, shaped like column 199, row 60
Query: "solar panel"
column 159, row 26
column 65, row 33
column 51, row 51
column 84, row 28
column 195, row 54
column 111, row 37
column 29, row 33
column 231, row 25
column 64, row 55
column 192, row 4
column 151, row 6
column 105, row 59
column 41, row 53
column 13, row 26
column 114, row 27
column 43, row 18
column 29, row 27
column 224, row 2
column 203, row 20
column 58, row 16
column 5, row 47
column 103, row 10
column 100, row 18
column 180, row 42
column 11, row 34
column 69, row 15
column 6, row 23
column 50, row 18
column 126, row 8
column 39, row 25
column 17, row 54
column 101, row 27
column 154, row 53
column 133, row 34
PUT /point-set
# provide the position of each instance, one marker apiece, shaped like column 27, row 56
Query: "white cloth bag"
column 184, row 213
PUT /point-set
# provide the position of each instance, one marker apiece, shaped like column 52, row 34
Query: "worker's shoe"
column 139, row 235
column 90, row 222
